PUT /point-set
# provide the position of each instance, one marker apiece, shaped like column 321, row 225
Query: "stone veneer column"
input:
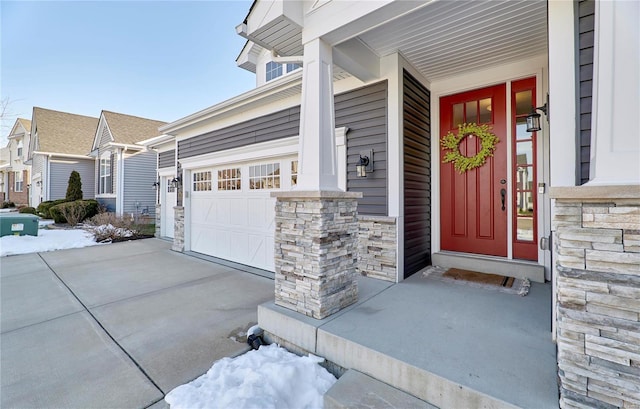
column 158, row 220
column 597, row 252
column 377, row 247
column 316, row 251
column 178, row 234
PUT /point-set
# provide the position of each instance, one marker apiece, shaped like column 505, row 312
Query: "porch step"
column 357, row 390
column 491, row 265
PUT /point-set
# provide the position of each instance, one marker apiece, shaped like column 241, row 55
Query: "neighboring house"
column 387, row 81
column 14, row 173
column 60, row 144
column 125, row 171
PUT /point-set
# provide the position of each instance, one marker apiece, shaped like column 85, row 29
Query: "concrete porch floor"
column 449, row 344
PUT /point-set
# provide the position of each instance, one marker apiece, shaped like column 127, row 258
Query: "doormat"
column 493, row 282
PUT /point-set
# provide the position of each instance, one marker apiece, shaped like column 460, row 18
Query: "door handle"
column 503, row 195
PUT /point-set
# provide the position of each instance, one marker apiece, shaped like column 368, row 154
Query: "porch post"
column 316, row 237
column 317, row 152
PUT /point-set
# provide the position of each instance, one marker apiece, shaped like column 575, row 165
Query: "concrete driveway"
column 117, row 326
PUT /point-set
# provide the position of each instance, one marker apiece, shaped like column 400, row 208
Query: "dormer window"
column 274, row 70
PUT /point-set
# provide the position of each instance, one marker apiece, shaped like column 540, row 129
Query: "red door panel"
column 473, row 219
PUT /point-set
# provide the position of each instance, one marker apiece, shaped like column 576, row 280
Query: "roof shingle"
column 62, row 132
column 128, row 129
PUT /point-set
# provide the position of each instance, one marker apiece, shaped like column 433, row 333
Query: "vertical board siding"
column 363, row 111
column 417, row 174
column 585, row 14
column 167, row 159
column 139, row 175
column 60, row 173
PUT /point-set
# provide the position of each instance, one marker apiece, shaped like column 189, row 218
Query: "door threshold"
column 490, row 264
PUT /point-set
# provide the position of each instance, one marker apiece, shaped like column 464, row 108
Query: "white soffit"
column 446, row 38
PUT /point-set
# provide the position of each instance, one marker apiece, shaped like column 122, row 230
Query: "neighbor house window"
column 106, row 185
column 265, row 176
column 17, row 177
column 229, row 179
column 201, row 181
column 274, row 70
column 19, row 148
column 294, row 172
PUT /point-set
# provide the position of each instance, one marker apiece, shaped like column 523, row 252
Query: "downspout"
column 294, row 59
column 120, row 184
column 48, row 178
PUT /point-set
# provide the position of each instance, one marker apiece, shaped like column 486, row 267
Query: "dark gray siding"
column 266, row 128
column 417, row 175
column 585, row 10
column 363, row 111
column 167, row 159
column 139, row 175
column 60, row 173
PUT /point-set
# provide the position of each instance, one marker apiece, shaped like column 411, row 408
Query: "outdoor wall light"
column 533, row 119
column 156, row 185
column 176, row 181
column 39, row 183
column 365, row 163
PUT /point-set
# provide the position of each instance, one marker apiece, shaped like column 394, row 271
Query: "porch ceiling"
column 446, row 38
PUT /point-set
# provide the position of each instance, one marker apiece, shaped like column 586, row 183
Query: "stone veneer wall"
column 316, row 246
column 158, row 220
column 377, row 247
column 178, row 234
column 598, row 296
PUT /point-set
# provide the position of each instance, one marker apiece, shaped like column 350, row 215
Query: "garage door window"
column 201, row 181
column 265, row 176
column 229, row 179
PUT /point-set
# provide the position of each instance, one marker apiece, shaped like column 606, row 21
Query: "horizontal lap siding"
column 139, row 175
column 585, row 13
column 167, row 159
column 363, row 111
column 417, row 175
column 270, row 127
column 60, row 173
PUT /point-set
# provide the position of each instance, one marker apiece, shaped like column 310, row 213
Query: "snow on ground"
column 46, row 240
column 270, row 377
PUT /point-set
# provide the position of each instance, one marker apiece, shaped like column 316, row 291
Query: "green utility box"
column 18, row 224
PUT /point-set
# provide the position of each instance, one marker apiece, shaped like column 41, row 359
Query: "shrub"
column 7, row 205
column 74, row 212
column 45, row 207
column 74, row 187
column 28, row 209
column 110, row 227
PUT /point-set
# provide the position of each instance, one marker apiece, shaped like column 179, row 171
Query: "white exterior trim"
column 120, row 183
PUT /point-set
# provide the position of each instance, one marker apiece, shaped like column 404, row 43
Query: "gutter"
column 64, row 155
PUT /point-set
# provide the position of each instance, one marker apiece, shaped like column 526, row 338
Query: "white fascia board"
column 164, row 172
column 248, row 58
column 62, row 155
column 263, row 150
column 126, row 146
column 96, row 137
column 156, row 141
column 239, row 102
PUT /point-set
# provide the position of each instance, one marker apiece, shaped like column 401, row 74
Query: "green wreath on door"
column 451, row 143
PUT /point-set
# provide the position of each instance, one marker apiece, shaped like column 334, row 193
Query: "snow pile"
column 270, row 377
column 46, row 240
column 44, row 222
column 109, row 231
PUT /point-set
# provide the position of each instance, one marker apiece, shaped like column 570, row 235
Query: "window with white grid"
column 294, row 172
column 229, row 179
column 265, row 176
column 202, row 181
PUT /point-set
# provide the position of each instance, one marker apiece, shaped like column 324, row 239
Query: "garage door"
column 232, row 213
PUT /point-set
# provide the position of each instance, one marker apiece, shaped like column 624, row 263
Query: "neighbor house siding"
column 363, row 111
column 585, row 10
column 105, row 138
column 417, row 175
column 60, row 172
column 167, row 159
column 139, row 174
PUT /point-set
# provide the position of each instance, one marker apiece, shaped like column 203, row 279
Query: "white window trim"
column 15, row 181
column 106, row 156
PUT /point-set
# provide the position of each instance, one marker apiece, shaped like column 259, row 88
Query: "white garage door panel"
column 235, row 226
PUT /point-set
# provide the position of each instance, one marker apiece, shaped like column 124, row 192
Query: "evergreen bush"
column 74, row 187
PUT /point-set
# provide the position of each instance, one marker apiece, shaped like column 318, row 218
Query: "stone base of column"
column 158, row 221
column 178, row 234
column 316, row 251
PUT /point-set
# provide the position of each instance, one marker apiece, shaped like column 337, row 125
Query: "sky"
column 161, row 60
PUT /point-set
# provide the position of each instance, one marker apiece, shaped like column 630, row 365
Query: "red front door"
column 473, row 205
